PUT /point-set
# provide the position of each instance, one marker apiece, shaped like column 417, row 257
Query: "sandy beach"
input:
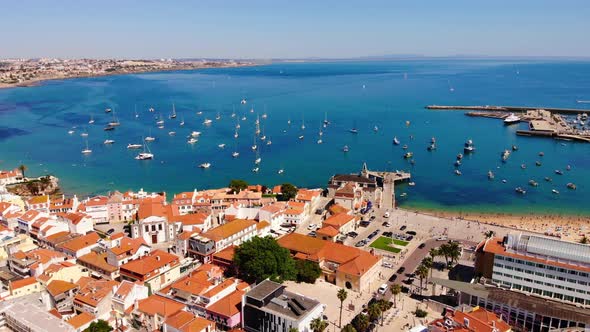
column 570, row 228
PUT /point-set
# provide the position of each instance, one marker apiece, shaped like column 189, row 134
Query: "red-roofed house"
column 61, row 295
column 11, row 177
column 34, row 262
column 204, row 245
column 153, row 311
column 78, row 222
column 155, row 270
column 227, row 311
column 97, row 208
column 39, row 203
column 24, row 287
column 80, row 245
column 95, row 297
column 125, row 249
column 26, row 220
column 8, row 209
column 64, row 205
column 127, row 294
column 342, row 222
column 66, row 271
column 184, row 321
column 81, row 321
column 273, row 213
column 476, row 320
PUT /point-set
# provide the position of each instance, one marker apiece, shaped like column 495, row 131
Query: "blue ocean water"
column 34, row 123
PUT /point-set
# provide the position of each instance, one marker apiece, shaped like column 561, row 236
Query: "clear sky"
column 293, row 29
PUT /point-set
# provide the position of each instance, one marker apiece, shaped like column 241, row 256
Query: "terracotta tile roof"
column 180, row 319
column 187, row 235
column 494, row 245
column 39, row 199
column 128, row 246
column 115, row 236
column 328, row 231
column 10, row 174
column 226, row 254
column 337, row 209
column 338, row 220
column 30, row 215
column 53, row 268
column 276, row 190
column 55, row 313
column 97, row 201
column 195, row 283
column 97, row 260
column 57, row 287
column 219, row 287
column 274, row 208
column 262, row 224
column 152, row 207
column 307, row 194
column 159, row 305
column 294, row 211
column 296, row 205
column 58, row 237
column 81, row 320
column 40, row 255
column 147, row 264
column 5, row 206
column 480, row 320
column 74, row 217
column 81, row 242
column 301, row 243
column 190, row 219
column 228, row 229
column 124, row 289
column 229, row 305
column 95, row 291
column 22, row 283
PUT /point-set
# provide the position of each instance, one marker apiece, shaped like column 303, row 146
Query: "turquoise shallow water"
column 34, row 123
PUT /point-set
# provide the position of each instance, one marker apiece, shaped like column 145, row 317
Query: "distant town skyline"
column 306, row 29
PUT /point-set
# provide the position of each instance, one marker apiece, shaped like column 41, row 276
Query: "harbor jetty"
column 557, row 123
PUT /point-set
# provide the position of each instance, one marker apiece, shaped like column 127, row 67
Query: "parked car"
column 365, row 223
column 401, row 270
column 411, row 232
column 422, row 245
column 386, row 215
column 353, row 234
column 312, row 227
column 393, row 278
column 372, row 218
column 382, row 289
column 387, row 265
column 110, row 231
column 360, row 243
column 387, row 234
column 402, row 228
column 410, row 238
column 312, row 234
column 441, row 238
column 386, row 224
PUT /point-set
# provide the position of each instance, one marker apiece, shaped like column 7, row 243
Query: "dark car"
column 372, row 235
column 110, row 231
column 372, row 218
column 387, row 234
column 410, row 238
column 411, row 232
column 360, row 243
column 365, row 223
column 393, row 278
column 401, row 270
column 422, row 245
column 402, row 228
column 353, row 234
column 408, row 281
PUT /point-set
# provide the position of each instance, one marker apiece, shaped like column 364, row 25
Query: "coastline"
column 567, row 227
column 38, row 81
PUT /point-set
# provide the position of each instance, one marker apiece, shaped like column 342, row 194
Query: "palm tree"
column 444, row 251
column 348, row 328
column 318, row 325
column 454, row 252
column 384, row 306
column 342, row 295
column 374, row 312
column 23, row 168
column 395, row 290
column 422, row 273
column 434, row 252
column 361, row 323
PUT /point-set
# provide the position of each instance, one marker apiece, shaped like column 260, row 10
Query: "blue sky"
column 293, row 29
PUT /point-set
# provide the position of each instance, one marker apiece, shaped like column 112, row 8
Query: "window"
column 541, row 266
column 147, row 228
column 547, row 293
column 530, row 263
column 159, row 227
column 552, row 268
column 153, row 228
column 573, row 272
column 540, row 274
column 562, row 270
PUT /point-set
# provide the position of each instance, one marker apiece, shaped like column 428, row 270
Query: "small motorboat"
column 395, row 141
column 134, row 146
column 345, row 148
column 523, row 166
column 458, row 172
column 558, row 172
column 514, row 148
column 108, row 141
column 459, row 156
column 458, row 163
column 221, row 146
column 192, row 140
column 571, row 186
column 548, row 179
column 255, row 169
column 533, row 183
column 520, row 190
column 491, row 175
column 235, row 154
column 411, row 184
column 171, row 133
column 205, row 165
column 281, row 171
column 555, row 191
column 541, row 154
column 538, row 163
column 405, row 147
column 408, row 155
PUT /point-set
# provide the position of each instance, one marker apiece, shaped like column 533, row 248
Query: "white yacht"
column 145, row 155
column 160, row 121
column 192, row 140
column 320, row 141
column 207, row 122
column 258, row 161
column 182, row 121
column 171, row 133
column 255, row 169
column 86, row 150
column 195, row 134
column 395, row 141
column 150, row 139
column 511, row 119
column 218, row 116
column 205, row 165
column 173, row 115
column 151, row 110
column 243, row 101
column 221, row 146
column 108, row 141
column 269, row 142
column 84, row 134
column 281, row 171
column 134, row 146
column 235, row 154
column 71, row 132
column 91, row 121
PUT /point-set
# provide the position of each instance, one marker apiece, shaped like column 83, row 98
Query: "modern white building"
column 269, row 307
column 539, row 266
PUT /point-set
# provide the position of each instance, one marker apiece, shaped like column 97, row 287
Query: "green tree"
column 342, row 295
column 348, row 328
column 384, row 306
column 374, row 311
column 288, row 192
column 434, row 252
column 99, row 326
column 23, row 168
column 584, row 240
column 454, row 252
column 307, row 271
column 395, row 290
column 262, row 258
column 318, row 325
column 422, row 273
column 238, row 185
column 45, row 181
column 361, row 323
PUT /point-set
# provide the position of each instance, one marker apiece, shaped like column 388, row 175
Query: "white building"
column 270, row 307
column 538, row 266
column 155, row 229
column 97, row 209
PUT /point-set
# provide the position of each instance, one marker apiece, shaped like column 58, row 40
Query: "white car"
column 442, row 238
column 386, row 215
column 382, row 289
column 387, row 265
column 312, row 227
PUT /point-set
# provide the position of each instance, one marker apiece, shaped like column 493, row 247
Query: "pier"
column 510, row 109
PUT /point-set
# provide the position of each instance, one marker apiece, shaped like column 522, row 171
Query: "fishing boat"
column 303, row 124
column 207, row 122
column 134, row 146
column 458, row 172
column 173, row 115
column 264, row 115
column 320, row 141
column 236, row 135
column 412, row 184
column 255, row 169
column 491, row 175
column 254, row 146
column 252, row 109
column 571, row 186
column 568, row 168
column 408, row 155
column 511, row 119
column 555, row 191
column 533, row 183
column 199, row 112
column 289, row 122
column 541, row 154
column 146, row 154
column 459, row 156
column 192, row 140
column 244, row 118
column 108, row 110
column 345, row 148
column 235, row 154
column 520, row 190
column 395, row 140
column 205, row 165
column 432, row 140
column 221, row 146
column 86, row 150
column 135, row 112
column 558, row 172
column 108, row 141
column 91, row 121
column 469, row 148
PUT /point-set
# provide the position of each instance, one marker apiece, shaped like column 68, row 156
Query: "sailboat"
column 221, row 146
column 146, row 154
column 254, row 146
column 182, row 121
column 151, row 110
column 160, row 121
column 263, row 137
column 133, row 146
column 91, row 121
column 136, row 114
column 207, row 122
column 108, row 141
column 289, row 121
column 395, row 140
column 268, row 142
column 173, row 115
column 115, row 122
column 233, row 113
column 150, row 138
column 86, row 150
column 257, row 126
column 281, row 171
column 258, row 160
column 326, row 122
column 302, row 123
column 107, row 110
column 236, row 135
column 218, row 116
column 353, row 130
